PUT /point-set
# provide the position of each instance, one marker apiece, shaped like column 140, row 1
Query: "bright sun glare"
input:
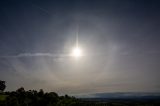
column 76, row 52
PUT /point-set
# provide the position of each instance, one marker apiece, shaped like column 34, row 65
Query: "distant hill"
column 123, row 95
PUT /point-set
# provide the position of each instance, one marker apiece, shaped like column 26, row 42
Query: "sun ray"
column 77, row 52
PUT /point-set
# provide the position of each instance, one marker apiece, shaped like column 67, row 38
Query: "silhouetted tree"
column 20, row 90
column 41, row 93
column 2, row 85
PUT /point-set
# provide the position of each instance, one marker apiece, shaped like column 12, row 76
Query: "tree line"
column 21, row 97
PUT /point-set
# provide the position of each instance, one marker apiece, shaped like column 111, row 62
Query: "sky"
column 119, row 39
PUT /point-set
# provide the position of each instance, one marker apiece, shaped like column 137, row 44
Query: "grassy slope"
column 2, row 97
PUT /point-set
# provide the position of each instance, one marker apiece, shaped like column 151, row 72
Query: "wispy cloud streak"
column 35, row 55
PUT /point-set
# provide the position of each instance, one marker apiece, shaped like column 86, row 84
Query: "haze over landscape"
column 119, row 40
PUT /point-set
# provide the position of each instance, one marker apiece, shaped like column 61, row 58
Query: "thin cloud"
column 35, row 55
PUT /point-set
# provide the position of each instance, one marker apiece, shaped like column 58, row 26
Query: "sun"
column 77, row 52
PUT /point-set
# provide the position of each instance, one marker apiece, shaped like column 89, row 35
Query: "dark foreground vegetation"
column 20, row 97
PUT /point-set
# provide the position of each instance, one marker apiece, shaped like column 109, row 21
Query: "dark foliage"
column 20, row 97
column 2, row 85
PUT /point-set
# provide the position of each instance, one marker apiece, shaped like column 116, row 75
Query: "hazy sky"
column 120, row 40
